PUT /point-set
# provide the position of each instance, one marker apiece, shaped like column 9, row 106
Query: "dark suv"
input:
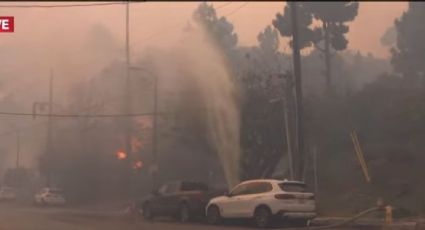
column 184, row 200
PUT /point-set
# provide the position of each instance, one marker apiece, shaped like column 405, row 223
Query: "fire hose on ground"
column 388, row 219
column 346, row 222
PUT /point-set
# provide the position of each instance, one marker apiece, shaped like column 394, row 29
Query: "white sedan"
column 262, row 201
column 7, row 193
column 49, row 196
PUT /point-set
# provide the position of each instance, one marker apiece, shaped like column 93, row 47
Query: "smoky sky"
column 75, row 44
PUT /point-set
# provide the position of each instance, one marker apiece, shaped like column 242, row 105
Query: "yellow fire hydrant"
column 388, row 214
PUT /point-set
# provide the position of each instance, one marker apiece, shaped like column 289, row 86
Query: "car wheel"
column 147, row 212
column 263, row 217
column 184, row 213
column 213, row 215
column 301, row 222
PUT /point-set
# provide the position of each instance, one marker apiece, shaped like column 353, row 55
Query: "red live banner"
column 7, row 24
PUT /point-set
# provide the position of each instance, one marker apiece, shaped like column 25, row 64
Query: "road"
column 27, row 217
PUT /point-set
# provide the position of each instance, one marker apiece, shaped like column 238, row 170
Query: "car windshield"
column 293, row 187
column 193, row 186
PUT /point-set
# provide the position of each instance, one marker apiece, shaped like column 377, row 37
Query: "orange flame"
column 136, row 144
column 138, row 164
column 121, row 155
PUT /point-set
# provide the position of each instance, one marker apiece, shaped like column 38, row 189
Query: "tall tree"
column 332, row 16
column 262, row 143
column 267, row 53
column 389, row 38
column 269, row 40
column 308, row 36
column 219, row 29
column 408, row 57
column 262, row 126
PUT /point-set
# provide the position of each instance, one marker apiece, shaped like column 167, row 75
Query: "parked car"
column 50, row 196
column 264, row 201
column 7, row 193
column 182, row 199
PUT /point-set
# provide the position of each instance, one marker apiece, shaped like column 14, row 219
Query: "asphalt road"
column 26, row 217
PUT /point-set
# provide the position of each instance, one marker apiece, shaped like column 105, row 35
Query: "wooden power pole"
column 128, row 102
column 49, row 129
column 18, row 145
column 288, row 102
column 296, row 57
column 155, row 135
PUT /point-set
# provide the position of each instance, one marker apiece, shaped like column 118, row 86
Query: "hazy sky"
column 63, row 26
column 63, row 38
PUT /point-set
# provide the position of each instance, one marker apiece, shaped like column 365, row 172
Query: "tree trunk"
column 328, row 72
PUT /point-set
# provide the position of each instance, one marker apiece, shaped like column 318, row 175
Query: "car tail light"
column 284, row 196
column 198, row 196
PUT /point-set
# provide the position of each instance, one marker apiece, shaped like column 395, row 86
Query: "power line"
column 77, row 115
column 223, row 5
column 109, row 100
column 62, row 6
column 174, row 26
column 237, row 9
column 84, row 5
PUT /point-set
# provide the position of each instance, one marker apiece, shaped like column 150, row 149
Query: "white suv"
column 264, row 200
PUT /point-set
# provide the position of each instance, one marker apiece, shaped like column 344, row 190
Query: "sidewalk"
column 399, row 224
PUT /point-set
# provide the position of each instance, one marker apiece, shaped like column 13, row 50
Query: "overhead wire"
column 62, row 5
column 237, row 9
column 223, row 5
column 75, row 115
column 103, row 103
column 174, row 26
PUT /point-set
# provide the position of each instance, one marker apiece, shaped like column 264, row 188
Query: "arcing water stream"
column 195, row 62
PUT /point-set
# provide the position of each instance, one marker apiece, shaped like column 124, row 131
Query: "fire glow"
column 136, row 144
column 138, row 165
column 121, row 155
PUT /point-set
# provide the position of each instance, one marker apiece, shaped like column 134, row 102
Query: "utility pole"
column 155, row 134
column 17, row 148
column 286, row 102
column 316, row 179
column 127, row 103
column 49, row 128
column 298, row 90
